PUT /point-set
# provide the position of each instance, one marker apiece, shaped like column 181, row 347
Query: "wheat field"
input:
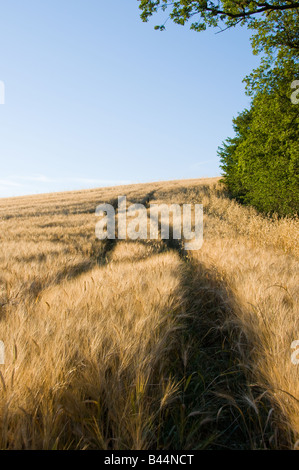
column 122, row 344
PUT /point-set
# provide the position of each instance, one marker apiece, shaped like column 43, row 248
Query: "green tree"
column 264, row 170
column 208, row 13
column 276, row 37
column 261, row 162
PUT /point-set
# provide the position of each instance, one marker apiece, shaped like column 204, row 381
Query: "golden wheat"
column 121, row 345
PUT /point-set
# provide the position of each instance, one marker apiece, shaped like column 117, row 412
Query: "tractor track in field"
column 220, row 384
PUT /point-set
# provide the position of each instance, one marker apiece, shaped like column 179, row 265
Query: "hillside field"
column 123, row 344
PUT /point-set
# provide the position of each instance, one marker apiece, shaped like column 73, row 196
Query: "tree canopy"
column 260, row 163
column 208, row 13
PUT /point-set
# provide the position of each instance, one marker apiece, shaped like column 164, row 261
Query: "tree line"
column 260, row 163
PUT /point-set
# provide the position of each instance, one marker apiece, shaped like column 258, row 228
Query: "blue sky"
column 95, row 97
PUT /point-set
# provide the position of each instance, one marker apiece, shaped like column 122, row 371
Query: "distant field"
column 140, row 344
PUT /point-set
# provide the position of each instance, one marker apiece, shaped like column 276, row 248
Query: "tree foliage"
column 209, row 13
column 261, row 162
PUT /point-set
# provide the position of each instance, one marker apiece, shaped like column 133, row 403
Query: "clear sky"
column 96, row 97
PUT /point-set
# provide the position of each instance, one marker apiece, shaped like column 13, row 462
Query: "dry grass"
column 138, row 345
